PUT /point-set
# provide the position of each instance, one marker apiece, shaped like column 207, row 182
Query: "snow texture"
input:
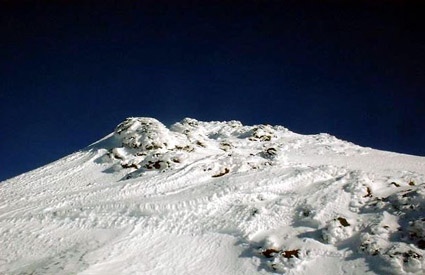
column 216, row 198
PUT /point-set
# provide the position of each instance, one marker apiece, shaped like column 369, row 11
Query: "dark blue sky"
column 69, row 73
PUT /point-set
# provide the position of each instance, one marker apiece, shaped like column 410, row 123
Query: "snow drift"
column 216, row 198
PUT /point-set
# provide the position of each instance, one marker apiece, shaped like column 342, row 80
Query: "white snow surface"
column 216, row 198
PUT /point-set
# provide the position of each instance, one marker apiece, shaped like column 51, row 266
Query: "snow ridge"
column 216, row 198
column 146, row 145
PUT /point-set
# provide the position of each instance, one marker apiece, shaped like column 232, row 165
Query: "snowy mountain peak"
column 216, row 198
column 145, row 144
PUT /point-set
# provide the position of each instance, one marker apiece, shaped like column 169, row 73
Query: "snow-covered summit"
column 145, row 144
column 216, row 198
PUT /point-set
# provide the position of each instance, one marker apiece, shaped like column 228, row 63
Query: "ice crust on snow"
column 216, row 198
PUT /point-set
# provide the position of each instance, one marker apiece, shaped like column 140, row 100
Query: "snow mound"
column 145, row 133
column 216, row 198
column 147, row 145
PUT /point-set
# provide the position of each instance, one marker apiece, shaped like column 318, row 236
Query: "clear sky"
column 70, row 72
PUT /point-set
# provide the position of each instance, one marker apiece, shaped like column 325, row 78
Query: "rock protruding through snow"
column 147, row 144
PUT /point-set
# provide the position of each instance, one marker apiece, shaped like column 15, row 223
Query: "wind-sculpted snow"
column 146, row 145
column 216, row 198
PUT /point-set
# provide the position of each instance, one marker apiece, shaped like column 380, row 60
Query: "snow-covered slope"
column 216, row 198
